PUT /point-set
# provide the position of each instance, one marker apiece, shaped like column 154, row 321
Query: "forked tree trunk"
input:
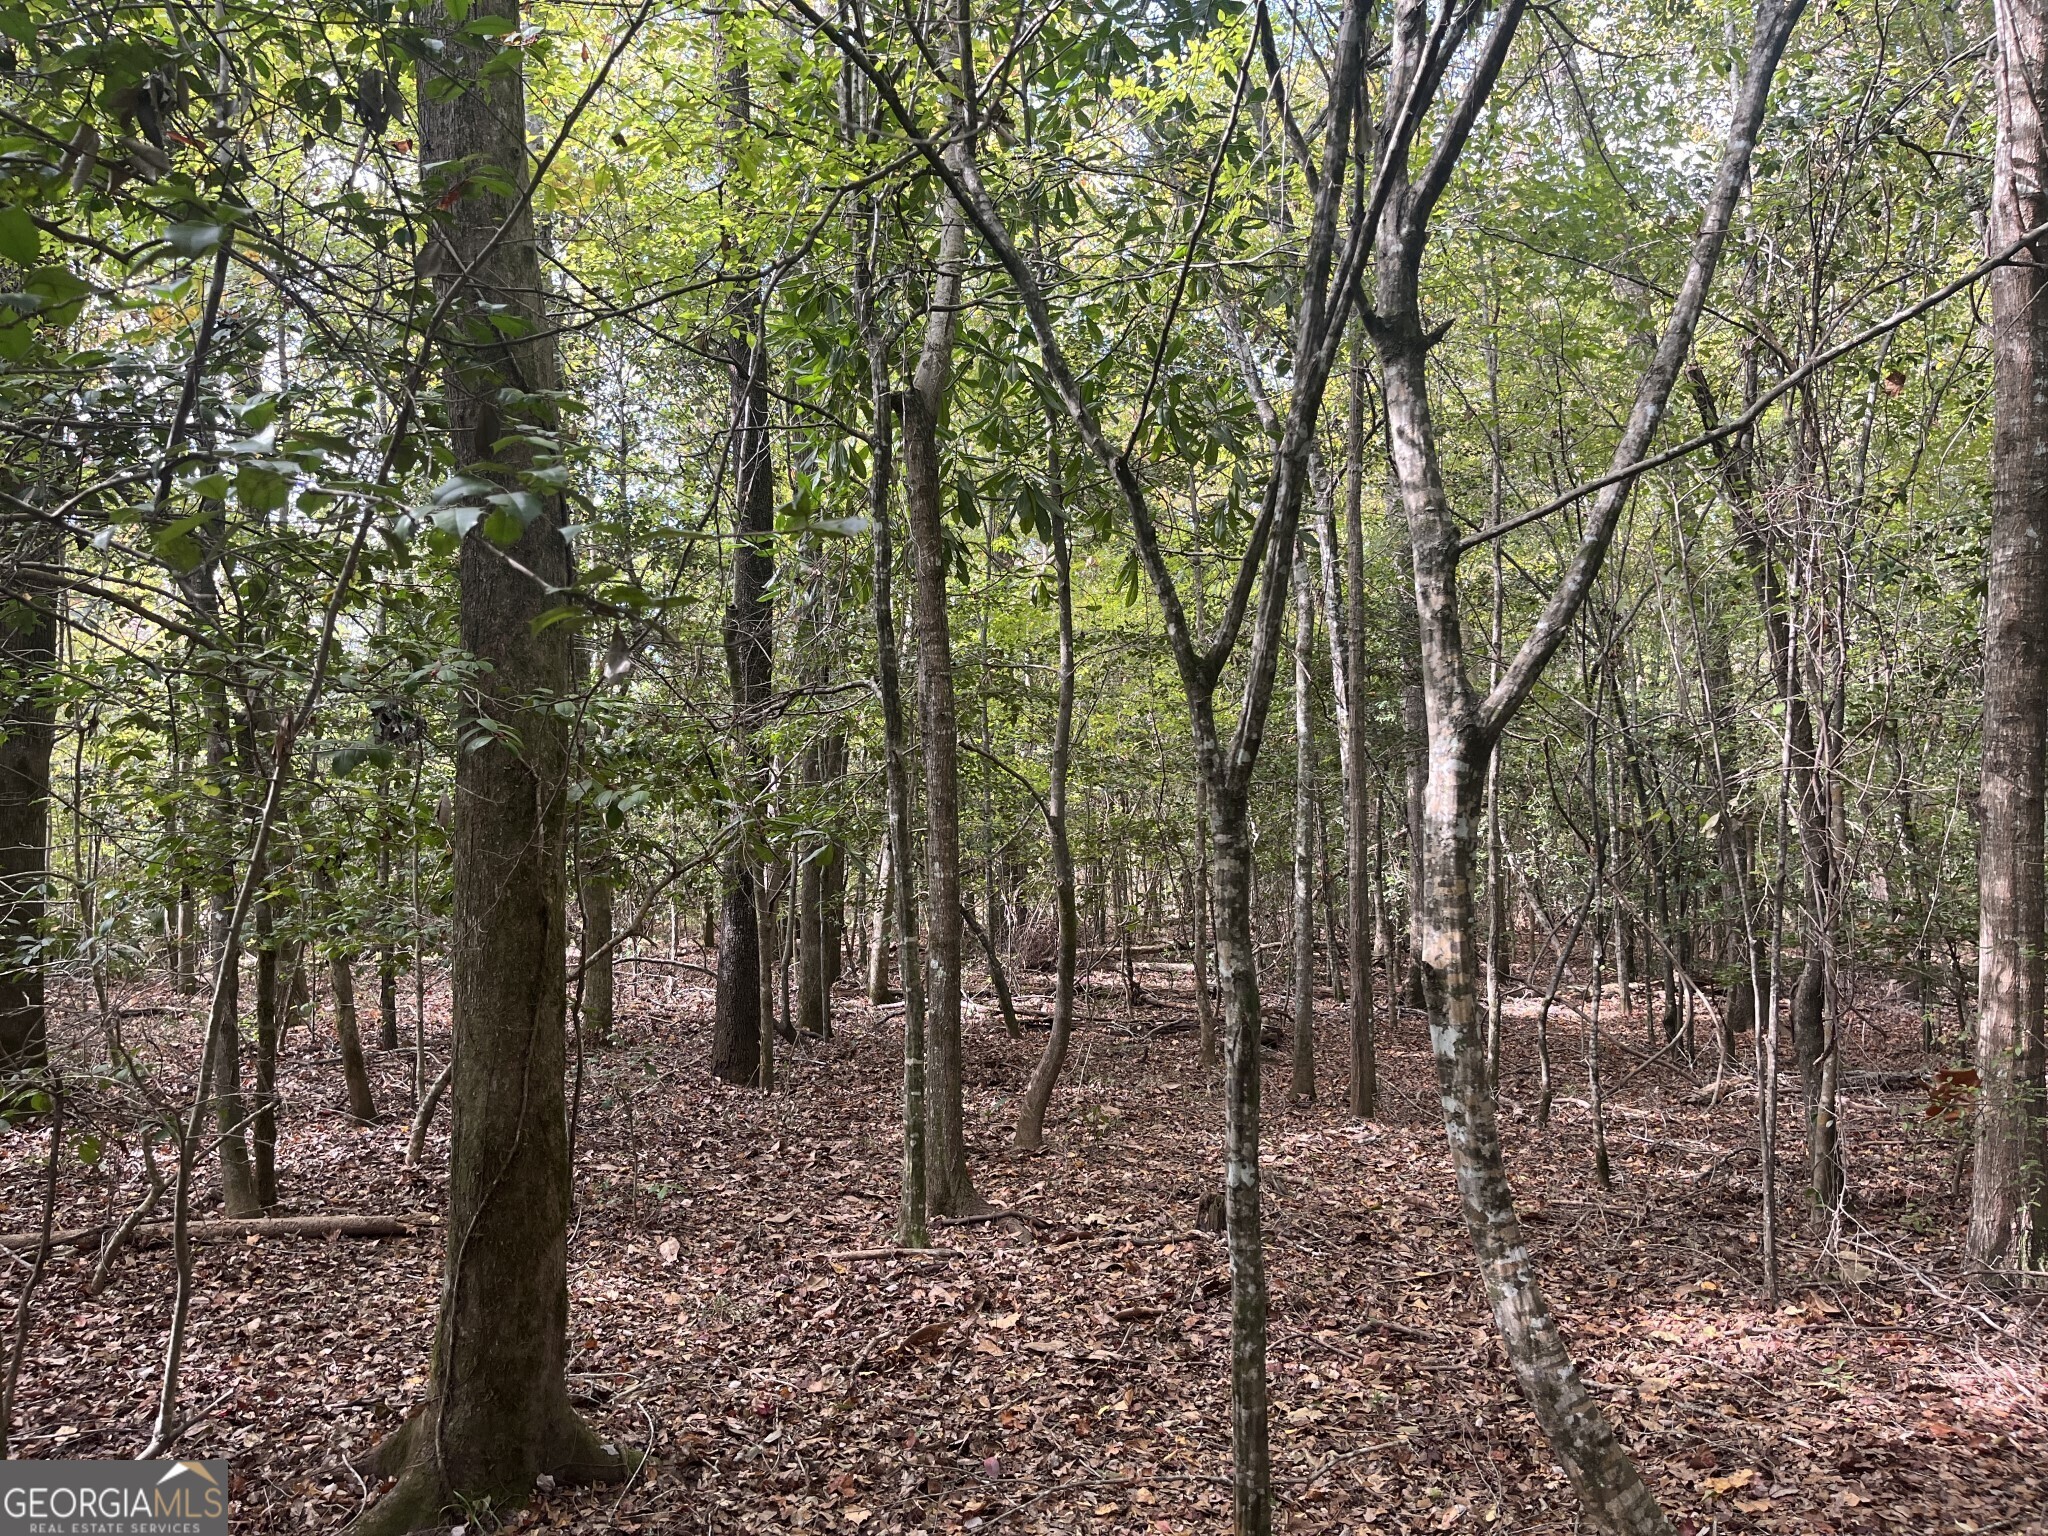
column 1463, row 730
column 2009, row 1180
column 497, row 1412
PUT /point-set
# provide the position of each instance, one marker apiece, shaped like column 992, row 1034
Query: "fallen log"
column 219, row 1231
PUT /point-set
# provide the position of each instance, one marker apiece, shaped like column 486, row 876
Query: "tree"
column 28, row 654
column 497, row 1413
column 2009, row 1178
column 1464, row 729
column 739, row 1044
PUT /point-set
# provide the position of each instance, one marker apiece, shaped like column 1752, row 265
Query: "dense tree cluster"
column 826, row 500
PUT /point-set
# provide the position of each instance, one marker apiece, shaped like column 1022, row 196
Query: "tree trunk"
column 1237, row 965
column 28, row 655
column 1358, row 873
column 1463, row 731
column 362, row 1105
column 270, row 1006
column 599, row 975
column 813, row 995
column 1302, row 1085
column 738, row 1019
column 1038, row 1094
column 899, row 895
column 2009, row 1180
column 239, row 1196
column 497, row 1412
column 950, row 1188
column 879, row 944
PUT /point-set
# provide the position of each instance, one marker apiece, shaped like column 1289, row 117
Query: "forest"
column 1164, row 766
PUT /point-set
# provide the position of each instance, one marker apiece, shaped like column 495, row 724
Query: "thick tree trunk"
column 497, row 1412
column 2009, row 1181
column 28, row 654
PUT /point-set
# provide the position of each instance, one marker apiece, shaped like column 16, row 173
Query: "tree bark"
column 1302, row 1084
column 497, row 1412
column 596, row 897
column 2009, row 1180
column 879, row 944
column 1358, row 873
column 362, row 1103
column 28, row 658
column 1462, row 729
column 950, row 1188
column 270, row 1007
column 738, row 1019
column 1038, row 1094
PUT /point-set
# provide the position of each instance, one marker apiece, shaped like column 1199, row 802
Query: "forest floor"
column 1066, row 1370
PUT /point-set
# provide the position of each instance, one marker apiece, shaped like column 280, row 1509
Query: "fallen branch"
column 259, row 1226
column 856, row 1255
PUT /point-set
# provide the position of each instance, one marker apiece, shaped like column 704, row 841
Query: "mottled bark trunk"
column 949, row 1187
column 1462, row 731
column 2009, row 1181
column 497, row 1412
column 1237, row 965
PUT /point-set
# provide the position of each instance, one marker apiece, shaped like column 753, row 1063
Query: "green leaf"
column 20, row 241
column 194, row 239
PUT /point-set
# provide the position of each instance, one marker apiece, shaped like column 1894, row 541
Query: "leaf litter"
column 739, row 1311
